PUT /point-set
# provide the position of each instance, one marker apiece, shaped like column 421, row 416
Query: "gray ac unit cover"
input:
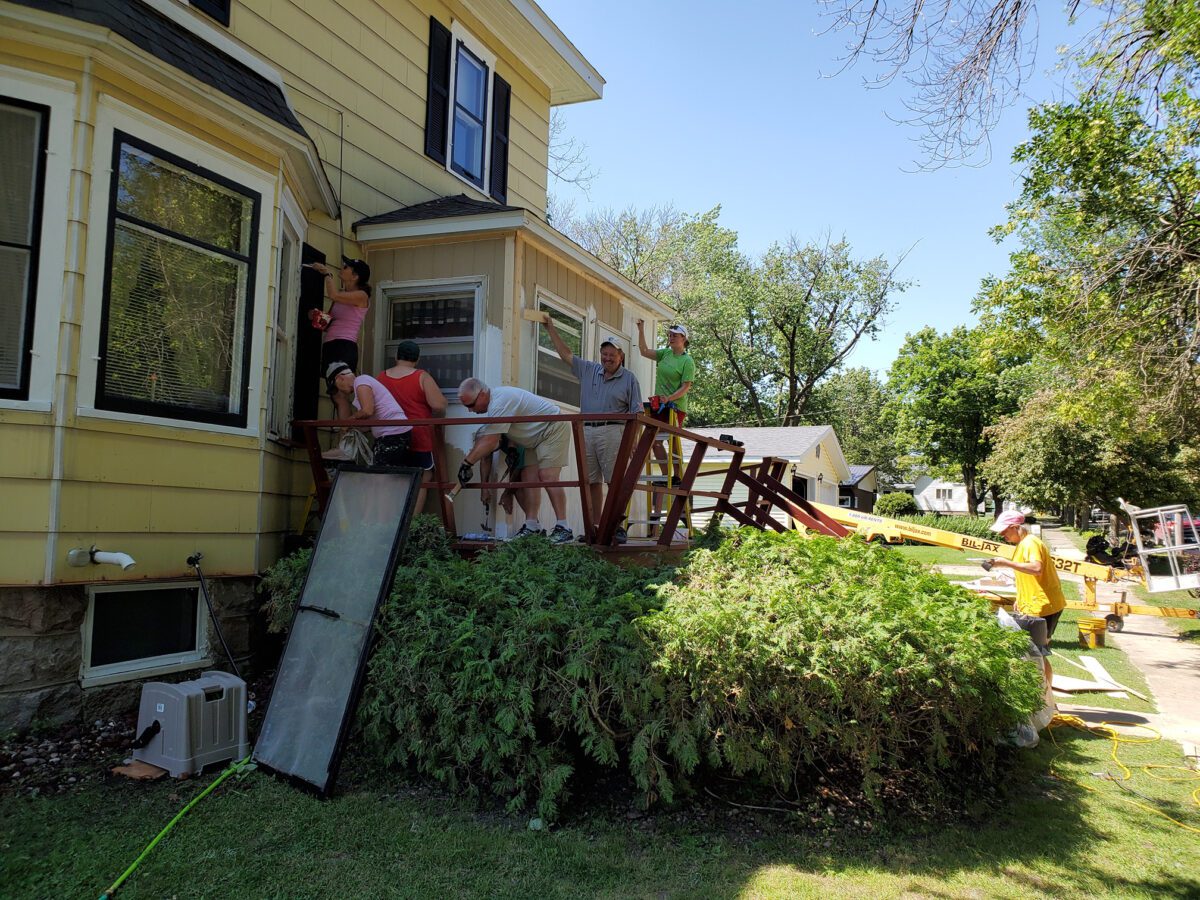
column 351, row 572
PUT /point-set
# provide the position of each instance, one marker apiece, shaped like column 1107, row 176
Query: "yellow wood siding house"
column 166, row 167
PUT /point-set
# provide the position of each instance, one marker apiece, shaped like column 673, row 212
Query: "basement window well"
column 139, row 631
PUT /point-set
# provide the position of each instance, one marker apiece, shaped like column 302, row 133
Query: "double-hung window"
column 176, row 324
column 943, row 493
column 442, row 322
column 470, row 114
column 22, row 174
column 553, row 378
column 467, row 110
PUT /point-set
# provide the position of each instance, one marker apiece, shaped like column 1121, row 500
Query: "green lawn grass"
column 932, row 556
column 384, row 837
column 1190, row 628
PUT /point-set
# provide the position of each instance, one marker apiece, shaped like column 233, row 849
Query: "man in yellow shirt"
column 1039, row 593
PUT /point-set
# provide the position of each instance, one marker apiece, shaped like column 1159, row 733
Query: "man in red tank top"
column 420, row 397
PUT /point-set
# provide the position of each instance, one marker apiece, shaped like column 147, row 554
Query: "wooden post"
column 585, row 493
column 680, row 501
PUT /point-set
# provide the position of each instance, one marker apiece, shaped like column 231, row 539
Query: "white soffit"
column 527, row 31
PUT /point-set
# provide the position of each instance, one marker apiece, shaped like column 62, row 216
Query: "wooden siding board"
column 131, row 459
column 23, row 558
column 27, row 450
column 26, row 505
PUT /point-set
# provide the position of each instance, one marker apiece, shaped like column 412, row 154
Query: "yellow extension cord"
column 1109, row 730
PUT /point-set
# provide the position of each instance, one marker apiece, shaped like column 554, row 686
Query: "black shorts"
column 391, row 449
column 339, row 351
column 418, row 459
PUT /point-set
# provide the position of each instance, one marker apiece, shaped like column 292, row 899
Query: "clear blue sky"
column 709, row 103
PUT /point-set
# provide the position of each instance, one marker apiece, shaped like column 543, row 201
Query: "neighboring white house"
column 816, row 464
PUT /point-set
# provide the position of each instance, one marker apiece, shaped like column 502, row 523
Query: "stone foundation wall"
column 41, row 647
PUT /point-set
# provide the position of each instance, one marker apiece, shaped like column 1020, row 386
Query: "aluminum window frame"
column 147, row 666
column 461, row 38
column 542, row 299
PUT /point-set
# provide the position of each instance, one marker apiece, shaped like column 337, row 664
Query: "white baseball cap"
column 611, row 340
column 678, row 329
column 1007, row 520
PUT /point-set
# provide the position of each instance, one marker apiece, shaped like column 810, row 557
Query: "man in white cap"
column 1039, row 593
column 673, row 377
column 604, row 387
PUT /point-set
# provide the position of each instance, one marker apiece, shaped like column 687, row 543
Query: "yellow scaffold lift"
column 1167, row 542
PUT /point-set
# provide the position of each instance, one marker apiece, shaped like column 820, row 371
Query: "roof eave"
column 527, row 31
column 514, row 220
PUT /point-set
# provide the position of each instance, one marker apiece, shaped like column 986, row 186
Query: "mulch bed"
column 62, row 759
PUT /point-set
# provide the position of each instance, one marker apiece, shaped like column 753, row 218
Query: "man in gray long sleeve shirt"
column 605, row 386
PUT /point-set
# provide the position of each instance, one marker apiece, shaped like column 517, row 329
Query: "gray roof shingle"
column 857, row 474
column 438, row 208
column 170, row 42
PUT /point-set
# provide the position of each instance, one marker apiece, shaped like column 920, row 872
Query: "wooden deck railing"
column 765, row 489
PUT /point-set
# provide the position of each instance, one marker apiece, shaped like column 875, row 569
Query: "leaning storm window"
column 176, row 327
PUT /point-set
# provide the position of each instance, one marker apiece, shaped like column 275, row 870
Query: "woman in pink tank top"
column 339, row 343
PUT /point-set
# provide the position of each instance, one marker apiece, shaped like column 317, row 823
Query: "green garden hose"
column 233, row 768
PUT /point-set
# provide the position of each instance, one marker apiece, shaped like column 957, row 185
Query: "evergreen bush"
column 976, row 526
column 895, row 504
column 772, row 659
column 786, row 659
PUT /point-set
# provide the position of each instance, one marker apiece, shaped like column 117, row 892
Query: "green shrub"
column 771, row 659
column 896, row 504
column 976, row 526
column 785, row 659
column 508, row 672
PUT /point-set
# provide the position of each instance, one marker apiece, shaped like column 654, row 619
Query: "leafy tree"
column 764, row 334
column 949, row 389
column 860, row 407
column 1052, row 461
column 1108, row 273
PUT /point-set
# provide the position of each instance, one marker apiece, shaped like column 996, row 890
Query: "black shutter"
column 501, row 101
column 308, row 376
column 437, row 103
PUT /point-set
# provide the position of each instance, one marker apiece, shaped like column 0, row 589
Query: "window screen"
column 555, row 380
column 142, row 624
column 22, row 149
column 470, row 114
column 177, row 308
column 351, row 571
column 444, row 327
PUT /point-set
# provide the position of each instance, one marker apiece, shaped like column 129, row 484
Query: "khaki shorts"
column 551, row 452
column 602, row 443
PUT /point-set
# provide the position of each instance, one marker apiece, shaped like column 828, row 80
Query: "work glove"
column 656, row 404
column 465, row 472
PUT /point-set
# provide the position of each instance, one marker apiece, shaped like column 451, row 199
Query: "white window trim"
column 59, row 97
column 113, row 115
column 542, row 295
column 459, row 33
column 387, row 291
column 93, row 676
column 292, row 223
